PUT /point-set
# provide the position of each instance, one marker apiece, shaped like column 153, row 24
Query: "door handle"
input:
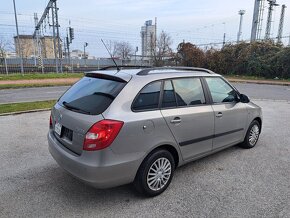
column 176, row 120
column 219, row 114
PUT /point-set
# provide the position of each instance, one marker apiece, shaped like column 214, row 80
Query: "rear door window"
column 184, row 92
column 148, row 98
column 91, row 95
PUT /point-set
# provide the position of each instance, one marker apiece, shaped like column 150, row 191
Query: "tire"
column 252, row 135
column 149, row 184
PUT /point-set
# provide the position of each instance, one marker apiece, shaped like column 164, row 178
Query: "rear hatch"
column 81, row 107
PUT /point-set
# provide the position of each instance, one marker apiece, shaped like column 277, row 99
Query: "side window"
column 168, row 95
column 187, row 92
column 220, row 91
column 148, row 98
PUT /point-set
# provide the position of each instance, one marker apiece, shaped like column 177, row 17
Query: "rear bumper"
column 101, row 169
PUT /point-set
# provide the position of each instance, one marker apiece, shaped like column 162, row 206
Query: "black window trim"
column 209, row 93
column 207, row 96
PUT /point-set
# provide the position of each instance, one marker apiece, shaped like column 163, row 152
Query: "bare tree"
column 3, row 47
column 163, row 49
column 124, row 50
column 112, row 47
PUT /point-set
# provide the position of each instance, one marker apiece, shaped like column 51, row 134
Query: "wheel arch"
column 259, row 121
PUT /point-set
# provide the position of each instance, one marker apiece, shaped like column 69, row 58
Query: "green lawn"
column 17, row 107
column 18, row 86
column 30, row 76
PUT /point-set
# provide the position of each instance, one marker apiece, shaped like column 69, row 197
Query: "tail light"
column 102, row 134
column 50, row 122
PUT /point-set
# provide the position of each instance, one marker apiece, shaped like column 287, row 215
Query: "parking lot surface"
column 232, row 183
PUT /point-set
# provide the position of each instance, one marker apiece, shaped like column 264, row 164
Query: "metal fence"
column 33, row 65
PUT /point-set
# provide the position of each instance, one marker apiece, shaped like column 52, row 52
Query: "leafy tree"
column 190, row 55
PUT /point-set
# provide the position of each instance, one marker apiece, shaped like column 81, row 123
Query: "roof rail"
column 147, row 71
column 124, row 67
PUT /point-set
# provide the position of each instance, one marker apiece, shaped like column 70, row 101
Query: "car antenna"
column 110, row 55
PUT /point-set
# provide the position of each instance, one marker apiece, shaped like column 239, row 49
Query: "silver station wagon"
column 115, row 127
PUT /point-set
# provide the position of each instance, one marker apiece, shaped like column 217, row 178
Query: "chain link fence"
column 34, row 65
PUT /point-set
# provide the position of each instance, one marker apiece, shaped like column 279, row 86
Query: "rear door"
column 230, row 114
column 187, row 114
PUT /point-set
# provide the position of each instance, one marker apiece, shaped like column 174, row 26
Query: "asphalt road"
column 31, row 94
column 232, row 183
column 254, row 91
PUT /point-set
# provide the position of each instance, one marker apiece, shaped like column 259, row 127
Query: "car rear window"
column 91, row 95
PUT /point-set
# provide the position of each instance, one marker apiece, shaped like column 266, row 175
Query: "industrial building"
column 28, row 46
column 148, row 38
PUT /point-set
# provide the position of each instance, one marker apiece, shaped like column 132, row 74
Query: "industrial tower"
column 241, row 13
column 257, row 20
column 281, row 24
column 272, row 3
column 148, row 38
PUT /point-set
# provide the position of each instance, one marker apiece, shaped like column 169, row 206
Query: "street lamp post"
column 85, row 45
column 18, row 40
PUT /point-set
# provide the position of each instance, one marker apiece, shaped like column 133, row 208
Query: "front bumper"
column 101, row 169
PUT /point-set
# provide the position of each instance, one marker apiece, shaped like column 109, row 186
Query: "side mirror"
column 244, row 98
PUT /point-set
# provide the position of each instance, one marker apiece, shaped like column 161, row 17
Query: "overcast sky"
column 199, row 22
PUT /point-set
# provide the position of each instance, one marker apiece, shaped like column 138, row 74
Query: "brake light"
column 50, row 122
column 102, row 134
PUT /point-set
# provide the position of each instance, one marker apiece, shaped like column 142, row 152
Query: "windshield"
column 91, row 95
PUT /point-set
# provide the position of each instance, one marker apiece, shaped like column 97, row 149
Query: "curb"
column 25, row 112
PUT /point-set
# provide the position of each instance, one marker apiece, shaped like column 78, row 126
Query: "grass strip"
column 31, row 76
column 19, row 86
column 25, row 106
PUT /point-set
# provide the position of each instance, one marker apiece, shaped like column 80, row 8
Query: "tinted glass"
column 188, row 91
column 168, row 95
column 91, row 95
column 220, row 90
column 148, row 98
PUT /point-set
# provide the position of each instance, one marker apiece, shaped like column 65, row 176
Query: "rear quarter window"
column 148, row 98
column 91, row 95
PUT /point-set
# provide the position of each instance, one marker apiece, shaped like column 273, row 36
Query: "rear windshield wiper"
column 67, row 105
column 104, row 94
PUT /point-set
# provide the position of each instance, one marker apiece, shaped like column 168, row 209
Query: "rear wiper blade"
column 67, row 105
column 104, row 94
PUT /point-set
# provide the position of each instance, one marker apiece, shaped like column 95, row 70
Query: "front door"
column 230, row 114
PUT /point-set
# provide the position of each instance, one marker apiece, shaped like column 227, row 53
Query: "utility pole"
column 281, row 24
column 155, row 46
column 38, row 44
column 272, row 3
column 51, row 6
column 241, row 13
column 18, row 40
column 58, row 36
column 54, row 39
column 224, row 40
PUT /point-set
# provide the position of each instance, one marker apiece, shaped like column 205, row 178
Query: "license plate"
column 57, row 128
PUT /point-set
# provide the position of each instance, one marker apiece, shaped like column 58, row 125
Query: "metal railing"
column 33, row 65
